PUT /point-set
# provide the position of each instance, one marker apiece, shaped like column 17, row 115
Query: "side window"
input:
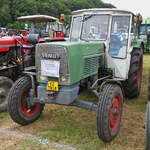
column 133, row 30
column 119, row 36
column 75, row 32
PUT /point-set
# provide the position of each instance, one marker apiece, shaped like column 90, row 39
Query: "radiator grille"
column 54, row 49
column 90, row 66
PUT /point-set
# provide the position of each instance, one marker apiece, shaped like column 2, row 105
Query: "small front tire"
column 109, row 112
column 18, row 107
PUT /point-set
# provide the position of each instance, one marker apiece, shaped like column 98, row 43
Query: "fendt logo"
column 50, row 55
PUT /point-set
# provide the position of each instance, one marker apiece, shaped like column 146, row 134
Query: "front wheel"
column 18, row 102
column 5, row 86
column 109, row 112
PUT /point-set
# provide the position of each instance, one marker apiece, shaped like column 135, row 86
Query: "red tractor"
column 46, row 26
column 17, row 52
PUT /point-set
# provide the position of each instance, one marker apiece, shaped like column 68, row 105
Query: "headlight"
column 43, row 78
column 63, row 78
column 50, row 68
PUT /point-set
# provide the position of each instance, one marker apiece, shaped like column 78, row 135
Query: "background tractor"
column 17, row 52
column 45, row 26
column 144, row 33
column 103, row 54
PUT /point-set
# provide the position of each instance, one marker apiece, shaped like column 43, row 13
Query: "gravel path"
column 36, row 139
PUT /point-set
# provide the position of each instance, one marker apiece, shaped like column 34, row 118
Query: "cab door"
column 117, row 51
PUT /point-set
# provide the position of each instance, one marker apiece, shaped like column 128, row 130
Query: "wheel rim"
column 28, row 111
column 115, row 112
column 139, row 75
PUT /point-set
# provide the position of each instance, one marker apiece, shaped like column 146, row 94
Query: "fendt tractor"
column 144, row 33
column 103, row 54
column 17, row 52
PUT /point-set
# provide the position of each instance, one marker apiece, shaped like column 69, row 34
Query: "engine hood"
column 78, row 60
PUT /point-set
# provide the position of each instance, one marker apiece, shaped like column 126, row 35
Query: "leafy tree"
column 11, row 9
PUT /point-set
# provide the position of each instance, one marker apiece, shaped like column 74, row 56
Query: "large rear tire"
column 109, row 112
column 148, row 127
column 149, row 86
column 132, row 85
column 5, row 86
column 148, row 117
column 18, row 107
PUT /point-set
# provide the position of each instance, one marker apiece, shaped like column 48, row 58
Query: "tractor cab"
column 115, row 28
column 45, row 26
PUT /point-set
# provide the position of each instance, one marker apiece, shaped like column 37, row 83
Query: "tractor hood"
column 74, row 60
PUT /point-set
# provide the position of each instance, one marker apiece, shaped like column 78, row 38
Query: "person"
column 92, row 32
column 34, row 30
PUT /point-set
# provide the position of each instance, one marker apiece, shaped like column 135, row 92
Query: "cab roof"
column 38, row 18
column 101, row 10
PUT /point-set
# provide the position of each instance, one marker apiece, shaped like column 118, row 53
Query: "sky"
column 136, row 6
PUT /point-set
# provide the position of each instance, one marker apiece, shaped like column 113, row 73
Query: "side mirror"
column 139, row 18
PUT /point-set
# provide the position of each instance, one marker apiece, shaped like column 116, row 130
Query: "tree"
column 11, row 9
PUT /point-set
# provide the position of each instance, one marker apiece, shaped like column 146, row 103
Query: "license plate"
column 52, row 86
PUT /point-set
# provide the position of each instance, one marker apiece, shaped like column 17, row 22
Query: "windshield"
column 95, row 27
column 45, row 28
column 76, row 25
column 144, row 29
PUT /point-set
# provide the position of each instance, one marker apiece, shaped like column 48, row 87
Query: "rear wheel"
column 19, row 107
column 148, row 127
column 109, row 112
column 5, row 85
column 148, row 118
column 132, row 85
column 149, row 86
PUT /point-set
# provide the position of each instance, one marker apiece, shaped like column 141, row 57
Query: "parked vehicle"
column 47, row 26
column 17, row 51
column 104, row 54
column 144, row 33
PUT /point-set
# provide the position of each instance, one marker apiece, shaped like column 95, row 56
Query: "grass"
column 77, row 127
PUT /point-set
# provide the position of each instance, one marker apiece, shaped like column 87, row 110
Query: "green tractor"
column 144, row 33
column 103, row 54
